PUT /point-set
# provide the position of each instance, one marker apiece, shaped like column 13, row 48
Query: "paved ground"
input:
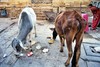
column 8, row 30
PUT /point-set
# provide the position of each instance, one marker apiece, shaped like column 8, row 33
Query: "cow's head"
column 16, row 45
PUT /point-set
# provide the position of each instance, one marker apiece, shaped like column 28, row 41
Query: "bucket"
column 85, row 17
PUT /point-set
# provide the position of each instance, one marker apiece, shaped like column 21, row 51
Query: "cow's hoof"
column 35, row 36
column 66, row 64
column 75, row 66
column 51, row 41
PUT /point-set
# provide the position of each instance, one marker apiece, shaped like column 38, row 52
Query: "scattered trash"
column 51, row 41
column 29, row 54
column 45, row 50
column 33, row 42
column 5, row 55
column 19, row 55
column 38, row 47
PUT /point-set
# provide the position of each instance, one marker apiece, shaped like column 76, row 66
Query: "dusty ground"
column 53, row 58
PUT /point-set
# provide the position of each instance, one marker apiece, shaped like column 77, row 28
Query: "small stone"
column 38, row 47
column 5, row 55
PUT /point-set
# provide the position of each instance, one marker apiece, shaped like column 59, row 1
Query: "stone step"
column 42, row 5
column 39, row 10
column 40, row 14
column 41, row 18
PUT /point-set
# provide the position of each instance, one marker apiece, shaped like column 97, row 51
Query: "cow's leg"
column 69, row 47
column 62, row 43
column 31, row 40
column 77, row 50
column 35, row 31
column 54, row 34
column 69, row 39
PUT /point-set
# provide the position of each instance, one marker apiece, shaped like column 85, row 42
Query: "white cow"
column 27, row 24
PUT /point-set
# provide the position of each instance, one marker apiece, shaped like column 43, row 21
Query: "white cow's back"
column 31, row 14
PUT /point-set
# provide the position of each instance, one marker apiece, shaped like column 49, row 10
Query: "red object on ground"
column 85, row 17
column 29, row 54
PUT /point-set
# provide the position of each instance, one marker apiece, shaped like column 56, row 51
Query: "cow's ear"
column 15, row 39
column 13, row 43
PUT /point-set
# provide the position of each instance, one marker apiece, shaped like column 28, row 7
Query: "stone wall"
column 40, row 6
column 41, row 1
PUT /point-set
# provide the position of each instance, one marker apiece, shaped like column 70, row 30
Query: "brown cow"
column 70, row 25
